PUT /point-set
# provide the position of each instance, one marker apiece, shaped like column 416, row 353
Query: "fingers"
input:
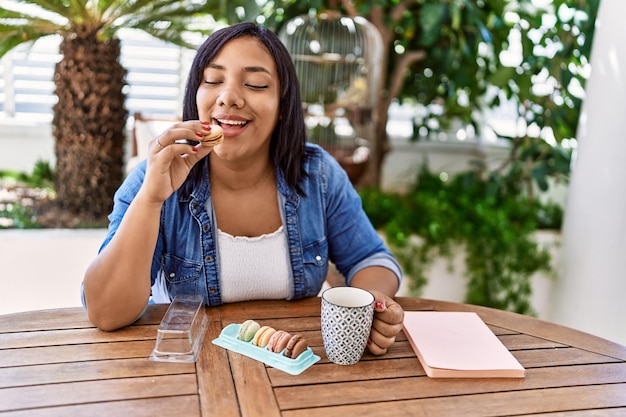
column 391, row 314
column 178, row 147
column 378, row 344
column 159, row 143
column 171, row 157
column 189, row 134
column 388, row 314
column 387, row 324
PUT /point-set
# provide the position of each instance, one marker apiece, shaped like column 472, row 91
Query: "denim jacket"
column 325, row 224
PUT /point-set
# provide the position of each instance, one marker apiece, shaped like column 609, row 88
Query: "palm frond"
column 123, row 8
column 10, row 41
column 61, row 9
column 19, row 18
column 170, row 35
column 17, row 27
column 168, row 20
column 172, row 30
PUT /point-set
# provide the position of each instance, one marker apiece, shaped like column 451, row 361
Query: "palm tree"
column 90, row 116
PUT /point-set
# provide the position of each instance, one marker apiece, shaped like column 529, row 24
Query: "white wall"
column 406, row 158
column 22, row 144
column 593, row 280
column 43, row 269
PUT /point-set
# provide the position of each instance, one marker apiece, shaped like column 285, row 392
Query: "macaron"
column 215, row 136
column 278, row 341
column 297, row 344
column 263, row 335
column 247, row 330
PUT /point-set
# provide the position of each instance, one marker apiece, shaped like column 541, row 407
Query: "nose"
column 230, row 96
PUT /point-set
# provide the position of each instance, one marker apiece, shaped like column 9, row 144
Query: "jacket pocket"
column 315, row 257
column 316, row 254
column 181, row 275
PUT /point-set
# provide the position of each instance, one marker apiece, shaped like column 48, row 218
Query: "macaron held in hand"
column 214, row 137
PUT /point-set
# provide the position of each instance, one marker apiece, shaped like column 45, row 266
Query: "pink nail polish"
column 380, row 305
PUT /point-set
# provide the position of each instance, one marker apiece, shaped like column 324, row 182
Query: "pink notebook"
column 458, row 345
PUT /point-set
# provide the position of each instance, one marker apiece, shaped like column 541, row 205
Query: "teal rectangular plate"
column 228, row 340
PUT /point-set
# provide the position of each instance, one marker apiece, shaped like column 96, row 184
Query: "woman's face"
column 240, row 92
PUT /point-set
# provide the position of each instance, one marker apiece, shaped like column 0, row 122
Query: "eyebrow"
column 246, row 69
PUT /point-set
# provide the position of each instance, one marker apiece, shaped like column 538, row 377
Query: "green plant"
column 17, row 216
column 17, row 211
column 42, row 175
column 487, row 215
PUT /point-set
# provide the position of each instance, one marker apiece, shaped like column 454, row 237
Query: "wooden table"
column 56, row 363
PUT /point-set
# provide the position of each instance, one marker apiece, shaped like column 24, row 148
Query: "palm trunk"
column 88, row 125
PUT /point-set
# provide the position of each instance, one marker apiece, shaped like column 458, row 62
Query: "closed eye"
column 253, row 86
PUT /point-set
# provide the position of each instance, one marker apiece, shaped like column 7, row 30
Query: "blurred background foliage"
column 490, row 222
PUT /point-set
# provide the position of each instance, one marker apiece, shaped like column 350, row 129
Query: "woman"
column 258, row 216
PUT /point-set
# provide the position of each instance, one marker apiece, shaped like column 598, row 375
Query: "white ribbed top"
column 254, row 268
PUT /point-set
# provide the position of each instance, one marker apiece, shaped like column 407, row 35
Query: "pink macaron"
column 278, row 341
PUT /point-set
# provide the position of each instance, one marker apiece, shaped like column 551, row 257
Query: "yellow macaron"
column 263, row 335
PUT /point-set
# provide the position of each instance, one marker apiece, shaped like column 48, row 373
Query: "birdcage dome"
column 337, row 59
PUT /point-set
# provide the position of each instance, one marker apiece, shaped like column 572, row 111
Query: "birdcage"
column 337, row 59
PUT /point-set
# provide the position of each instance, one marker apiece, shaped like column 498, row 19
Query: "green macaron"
column 247, row 330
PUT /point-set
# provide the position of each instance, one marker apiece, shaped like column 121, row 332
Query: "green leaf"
column 502, row 76
column 431, row 18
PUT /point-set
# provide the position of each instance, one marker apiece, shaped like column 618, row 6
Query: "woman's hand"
column 169, row 163
column 388, row 317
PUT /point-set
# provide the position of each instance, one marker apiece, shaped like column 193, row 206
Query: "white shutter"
column 155, row 78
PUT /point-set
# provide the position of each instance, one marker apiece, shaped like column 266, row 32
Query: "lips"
column 231, row 127
column 229, row 122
